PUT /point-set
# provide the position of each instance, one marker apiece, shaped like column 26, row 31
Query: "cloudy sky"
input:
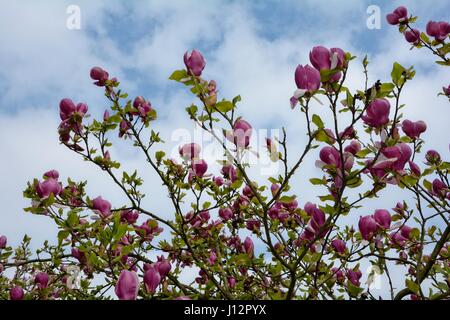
column 252, row 49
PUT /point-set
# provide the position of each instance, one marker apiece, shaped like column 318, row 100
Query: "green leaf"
column 317, row 181
column 396, row 74
column 178, row 75
column 317, row 121
column 159, row 155
column 411, row 285
column 224, row 106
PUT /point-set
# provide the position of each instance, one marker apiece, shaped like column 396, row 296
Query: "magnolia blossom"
column 377, row 113
column 3, row 242
column 241, row 134
column 152, row 278
column 338, row 245
column 195, row 63
column 41, row 280
column 354, row 277
column 400, row 15
column 190, row 151
column 47, row 187
column 16, row 293
column 248, row 246
column 199, row 167
column 383, row 218
column 100, row 75
column 368, row 227
column 307, row 79
column 412, row 36
column 101, row 206
column 323, row 59
column 413, row 129
column 438, row 30
column 127, row 286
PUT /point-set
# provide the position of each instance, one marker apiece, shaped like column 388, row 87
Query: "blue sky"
column 252, row 49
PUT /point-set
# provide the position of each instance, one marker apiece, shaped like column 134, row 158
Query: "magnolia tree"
column 246, row 240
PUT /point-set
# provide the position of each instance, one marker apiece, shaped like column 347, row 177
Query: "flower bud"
column 195, row 63
column 199, row 167
column 127, row 285
column 16, row 293
column 3, row 242
column 413, row 36
column 248, row 246
column 225, row 213
column 433, row 157
column 100, row 75
column 41, row 280
column 338, row 245
column 367, row 226
column 354, row 276
column 152, row 278
column 163, row 266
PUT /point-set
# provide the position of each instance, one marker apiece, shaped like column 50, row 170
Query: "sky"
column 252, row 49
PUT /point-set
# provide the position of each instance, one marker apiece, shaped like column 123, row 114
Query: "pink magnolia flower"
column 3, row 242
column 231, row 282
column 253, row 225
column 124, row 126
column 354, row 277
column 338, row 245
column 163, row 266
column 218, row 181
column 101, row 206
column 399, row 15
column 446, row 90
column 338, row 274
column 195, row 63
column 413, row 129
column 438, row 30
column 229, row 172
column 412, row 36
column 368, row 227
column 274, row 189
column 52, row 174
column 433, row 157
column 354, row 147
column 405, row 231
column 241, row 134
column 397, row 239
column 129, row 216
column 323, row 59
column 225, row 213
column 127, row 285
column 439, row 188
column 41, row 280
column 100, row 75
column 16, row 293
column 199, row 167
column 377, row 113
column 190, row 151
column 330, row 156
column 47, row 187
column 248, row 246
column 415, row 170
column 152, row 278
column 307, row 79
column 383, row 218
